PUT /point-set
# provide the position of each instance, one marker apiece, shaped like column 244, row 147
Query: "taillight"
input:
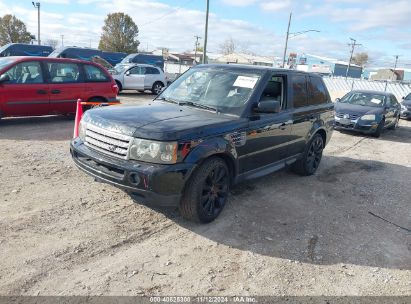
column 114, row 87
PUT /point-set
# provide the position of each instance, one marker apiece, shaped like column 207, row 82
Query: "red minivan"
column 33, row 86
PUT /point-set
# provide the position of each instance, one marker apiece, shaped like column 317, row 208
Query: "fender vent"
column 238, row 138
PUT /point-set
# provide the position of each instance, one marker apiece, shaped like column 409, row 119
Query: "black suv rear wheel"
column 206, row 192
column 311, row 158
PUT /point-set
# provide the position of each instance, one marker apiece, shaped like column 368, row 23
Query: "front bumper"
column 357, row 125
column 155, row 184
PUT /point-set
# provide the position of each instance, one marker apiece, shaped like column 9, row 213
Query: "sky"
column 383, row 28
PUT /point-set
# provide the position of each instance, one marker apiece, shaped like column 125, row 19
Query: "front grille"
column 351, row 116
column 350, row 126
column 108, row 142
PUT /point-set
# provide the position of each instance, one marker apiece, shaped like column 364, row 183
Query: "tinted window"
column 408, row 97
column 317, row 90
column 299, row 91
column 151, row 71
column 26, row 72
column 137, row 71
column 94, row 74
column 62, row 72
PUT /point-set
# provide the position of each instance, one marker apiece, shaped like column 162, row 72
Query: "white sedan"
column 139, row 77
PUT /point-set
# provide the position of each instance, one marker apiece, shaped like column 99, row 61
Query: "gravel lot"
column 61, row 233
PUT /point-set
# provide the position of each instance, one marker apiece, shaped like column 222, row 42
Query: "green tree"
column 13, row 30
column 119, row 34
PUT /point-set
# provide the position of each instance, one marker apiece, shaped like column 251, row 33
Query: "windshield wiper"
column 169, row 100
column 199, row 105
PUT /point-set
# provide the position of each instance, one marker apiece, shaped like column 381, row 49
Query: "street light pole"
column 286, row 40
column 206, row 33
column 37, row 5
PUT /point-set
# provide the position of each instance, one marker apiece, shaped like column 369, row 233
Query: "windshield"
column 224, row 90
column 408, row 97
column 120, row 68
column 5, row 62
column 364, row 99
column 128, row 58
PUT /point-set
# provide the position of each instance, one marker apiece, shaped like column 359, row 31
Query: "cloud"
column 239, row 2
column 273, row 6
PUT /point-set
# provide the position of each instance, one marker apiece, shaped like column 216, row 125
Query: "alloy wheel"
column 314, row 154
column 215, row 191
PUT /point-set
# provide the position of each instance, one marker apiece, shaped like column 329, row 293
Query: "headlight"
column 153, row 151
column 368, row 117
column 82, row 130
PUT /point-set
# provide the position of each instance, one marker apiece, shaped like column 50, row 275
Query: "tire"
column 120, row 87
column 157, row 87
column 311, row 159
column 380, row 127
column 395, row 125
column 96, row 99
column 206, row 192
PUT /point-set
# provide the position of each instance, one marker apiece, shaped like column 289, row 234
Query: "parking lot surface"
column 343, row 231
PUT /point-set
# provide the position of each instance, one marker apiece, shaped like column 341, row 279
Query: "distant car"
column 23, row 49
column 140, row 58
column 368, row 112
column 406, row 107
column 139, row 77
column 34, row 86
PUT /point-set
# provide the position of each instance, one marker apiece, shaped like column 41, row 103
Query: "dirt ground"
column 61, row 233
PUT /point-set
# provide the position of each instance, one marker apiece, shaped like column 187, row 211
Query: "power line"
column 174, row 10
column 353, row 45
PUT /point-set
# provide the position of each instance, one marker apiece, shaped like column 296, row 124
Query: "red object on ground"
column 79, row 114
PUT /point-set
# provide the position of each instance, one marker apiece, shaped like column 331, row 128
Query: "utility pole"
column 196, row 46
column 286, row 40
column 37, row 5
column 62, row 40
column 353, row 45
column 206, row 33
column 396, row 61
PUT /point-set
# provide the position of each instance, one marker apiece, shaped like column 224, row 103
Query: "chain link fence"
column 339, row 86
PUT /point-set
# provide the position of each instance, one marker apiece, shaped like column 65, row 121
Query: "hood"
column 161, row 121
column 347, row 108
column 406, row 102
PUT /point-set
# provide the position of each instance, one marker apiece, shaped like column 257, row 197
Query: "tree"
column 228, row 46
column 51, row 42
column 13, row 30
column 119, row 34
column 360, row 59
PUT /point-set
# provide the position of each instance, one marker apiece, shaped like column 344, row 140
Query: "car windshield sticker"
column 376, row 101
column 245, row 82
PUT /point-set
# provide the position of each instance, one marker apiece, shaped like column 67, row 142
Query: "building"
column 241, row 58
column 380, row 73
column 327, row 66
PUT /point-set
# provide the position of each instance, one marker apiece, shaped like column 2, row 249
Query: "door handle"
column 42, row 92
column 55, row 91
column 284, row 125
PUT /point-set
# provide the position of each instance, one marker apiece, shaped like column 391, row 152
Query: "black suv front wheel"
column 206, row 192
column 311, row 159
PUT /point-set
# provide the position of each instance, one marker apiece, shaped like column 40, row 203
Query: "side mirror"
column 128, row 73
column 268, row 106
column 337, row 99
column 4, row 78
column 403, row 97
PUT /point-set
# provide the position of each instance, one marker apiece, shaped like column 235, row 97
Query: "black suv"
column 215, row 126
